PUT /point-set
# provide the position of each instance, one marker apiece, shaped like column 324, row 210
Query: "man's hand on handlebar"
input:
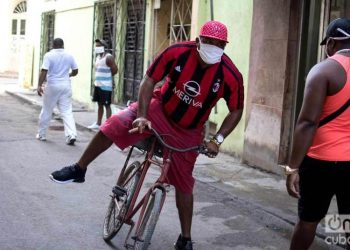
column 212, row 149
column 139, row 125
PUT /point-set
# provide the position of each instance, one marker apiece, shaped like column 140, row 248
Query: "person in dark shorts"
column 105, row 69
column 197, row 74
column 319, row 167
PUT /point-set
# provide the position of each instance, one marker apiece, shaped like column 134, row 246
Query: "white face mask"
column 99, row 50
column 210, row 54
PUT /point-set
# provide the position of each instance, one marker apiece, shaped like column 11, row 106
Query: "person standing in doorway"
column 105, row 69
column 56, row 68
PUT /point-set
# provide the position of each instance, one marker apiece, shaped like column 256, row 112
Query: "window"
column 14, row 27
column 20, row 8
column 18, row 23
column 105, row 23
column 23, row 27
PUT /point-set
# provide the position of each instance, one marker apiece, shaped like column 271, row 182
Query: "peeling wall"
column 267, row 82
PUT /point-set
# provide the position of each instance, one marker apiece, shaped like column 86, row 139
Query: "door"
column 18, row 32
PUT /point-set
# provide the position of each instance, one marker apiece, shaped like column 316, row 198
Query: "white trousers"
column 60, row 95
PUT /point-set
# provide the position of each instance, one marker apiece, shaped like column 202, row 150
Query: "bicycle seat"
column 145, row 145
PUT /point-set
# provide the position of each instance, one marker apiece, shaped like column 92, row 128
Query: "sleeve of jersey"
column 234, row 92
column 161, row 65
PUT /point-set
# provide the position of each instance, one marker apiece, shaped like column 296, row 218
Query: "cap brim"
column 324, row 41
column 213, row 37
column 101, row 42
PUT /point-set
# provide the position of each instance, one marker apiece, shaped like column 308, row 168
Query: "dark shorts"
column 319, row 182
column 103, row 97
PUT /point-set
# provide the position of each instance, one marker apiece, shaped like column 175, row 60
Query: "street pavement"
column 236, row 206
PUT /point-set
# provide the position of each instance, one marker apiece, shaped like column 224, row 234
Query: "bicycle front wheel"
column 149, row 220
column 117, row 208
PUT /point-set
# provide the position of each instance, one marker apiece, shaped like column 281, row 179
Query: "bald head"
column 58, row 43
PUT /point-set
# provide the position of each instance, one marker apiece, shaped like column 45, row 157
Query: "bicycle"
column 122, row 207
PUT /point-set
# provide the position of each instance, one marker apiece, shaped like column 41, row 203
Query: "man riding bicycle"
column 197, row 74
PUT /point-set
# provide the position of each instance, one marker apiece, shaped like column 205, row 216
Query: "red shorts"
column 180, row 173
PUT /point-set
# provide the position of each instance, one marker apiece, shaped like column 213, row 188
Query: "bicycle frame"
column 158, row 188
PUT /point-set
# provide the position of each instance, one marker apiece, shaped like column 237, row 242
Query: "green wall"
column 237, row 15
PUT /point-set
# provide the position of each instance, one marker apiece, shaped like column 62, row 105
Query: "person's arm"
column 74, row 67
column 155, row 73
column 234, row 97
column 41, row 80
column 73, row 73
column 229, row 123
column 111, row 64
column 307, row 123
column 144, row 98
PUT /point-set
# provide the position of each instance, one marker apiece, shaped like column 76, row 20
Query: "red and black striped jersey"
column 190, row 91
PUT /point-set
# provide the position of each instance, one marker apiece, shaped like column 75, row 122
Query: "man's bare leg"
column 303, row 236
column 108, row 111
column 184, row 204
column 98, row 145
column 99, row 114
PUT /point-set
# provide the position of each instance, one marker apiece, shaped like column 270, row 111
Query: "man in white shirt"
column 56, row 67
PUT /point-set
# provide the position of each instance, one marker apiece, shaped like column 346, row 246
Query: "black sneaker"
column 183, row 244
column 70, row 140
column 68, row 174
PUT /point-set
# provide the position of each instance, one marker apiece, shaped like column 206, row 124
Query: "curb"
column 37, row 105
column 24, row 98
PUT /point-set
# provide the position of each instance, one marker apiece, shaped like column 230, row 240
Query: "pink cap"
column 214, row 29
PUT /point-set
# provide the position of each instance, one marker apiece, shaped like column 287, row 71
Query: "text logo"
column 337, row 223
column 188, row 94
column 192, row 88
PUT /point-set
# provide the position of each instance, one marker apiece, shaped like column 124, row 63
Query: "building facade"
column 273, row 43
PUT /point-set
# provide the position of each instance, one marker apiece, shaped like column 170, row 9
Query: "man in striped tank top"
column 105, row 69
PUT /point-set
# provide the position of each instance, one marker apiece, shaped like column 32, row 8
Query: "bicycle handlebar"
column 200, row 148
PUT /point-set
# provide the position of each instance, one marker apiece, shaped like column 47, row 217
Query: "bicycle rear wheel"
column 117, row 209
column 149, row 220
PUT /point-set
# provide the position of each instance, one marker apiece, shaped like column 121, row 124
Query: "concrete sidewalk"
column 263, row 191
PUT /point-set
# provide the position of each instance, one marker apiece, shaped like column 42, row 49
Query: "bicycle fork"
column 142, row 216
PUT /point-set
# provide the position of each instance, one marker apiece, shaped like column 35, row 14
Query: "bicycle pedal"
column 119, row 191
